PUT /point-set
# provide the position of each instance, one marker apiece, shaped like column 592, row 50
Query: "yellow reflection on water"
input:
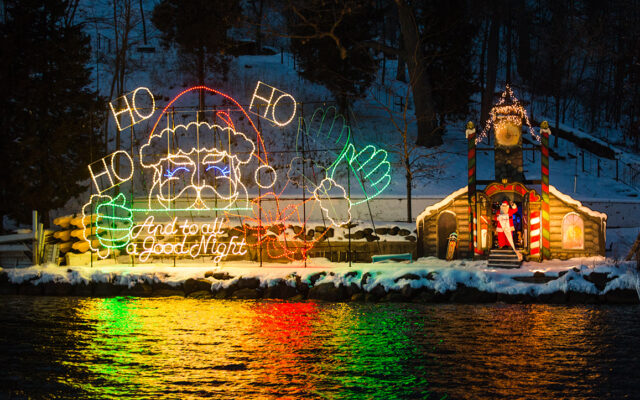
column 184, row 348
column 270, row 349
column 521, row 351
column 160, row 345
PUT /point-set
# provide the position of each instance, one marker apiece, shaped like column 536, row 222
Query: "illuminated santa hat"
column 239, row 146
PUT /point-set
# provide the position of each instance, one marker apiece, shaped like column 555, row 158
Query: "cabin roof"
column 570, row 200
column 563, row 197
column 429, row 210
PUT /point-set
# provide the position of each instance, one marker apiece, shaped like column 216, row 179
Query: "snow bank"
column 593, row 276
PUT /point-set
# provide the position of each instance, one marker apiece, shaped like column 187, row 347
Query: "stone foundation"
column 211, row 286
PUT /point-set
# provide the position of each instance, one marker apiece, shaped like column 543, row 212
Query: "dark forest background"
column 580, row 58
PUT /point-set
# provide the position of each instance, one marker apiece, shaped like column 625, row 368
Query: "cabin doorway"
column 446, row 226
column 517, row 219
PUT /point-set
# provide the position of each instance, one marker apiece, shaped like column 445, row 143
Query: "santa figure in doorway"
column 505, row 229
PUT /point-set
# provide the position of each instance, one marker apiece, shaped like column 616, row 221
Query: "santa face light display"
column 199, row 168
column 197, row 176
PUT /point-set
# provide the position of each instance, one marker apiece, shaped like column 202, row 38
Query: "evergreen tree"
column 557, row 43
column 47, row 108
column 199, row 29
column 327, row 38
column 448, row 38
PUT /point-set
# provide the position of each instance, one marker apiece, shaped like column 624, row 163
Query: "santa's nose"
column 199, row 204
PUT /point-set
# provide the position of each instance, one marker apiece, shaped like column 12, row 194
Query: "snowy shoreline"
column 594, row 280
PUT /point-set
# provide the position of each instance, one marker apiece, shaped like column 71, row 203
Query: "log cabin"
column 548, row 224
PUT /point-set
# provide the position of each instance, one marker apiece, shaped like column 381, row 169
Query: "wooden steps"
column 503, row 259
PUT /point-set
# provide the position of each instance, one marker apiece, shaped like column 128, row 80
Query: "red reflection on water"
column 286, row 323
column 287, row 330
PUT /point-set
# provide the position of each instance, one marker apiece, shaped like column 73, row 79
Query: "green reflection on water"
column 113, row 346
column 185, row 348
column 264, row 349
column 378, row 349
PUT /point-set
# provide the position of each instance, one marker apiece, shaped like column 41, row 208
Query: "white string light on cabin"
column 503, row 114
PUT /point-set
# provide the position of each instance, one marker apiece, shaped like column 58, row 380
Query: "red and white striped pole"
column 470, row 133
column 535, row 226
column 544, row 164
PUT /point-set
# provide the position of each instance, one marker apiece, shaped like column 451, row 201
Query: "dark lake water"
column 182, row 348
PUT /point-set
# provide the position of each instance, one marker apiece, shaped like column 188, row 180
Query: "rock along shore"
column 573, row 286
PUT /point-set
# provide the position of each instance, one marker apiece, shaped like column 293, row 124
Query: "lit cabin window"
column 572, row 232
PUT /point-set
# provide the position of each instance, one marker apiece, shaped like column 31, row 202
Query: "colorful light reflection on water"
column 183, row 348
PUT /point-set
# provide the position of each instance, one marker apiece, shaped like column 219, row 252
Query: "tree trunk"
column 259, row 27
column 144, row 24
column 45, row 218
column 483, row 55
column 121, row 62
column 400, row 69
column 618, row 88
column 508, row 66
column 409, row 216
column 343, row 104
column 429, row 135
column 383, row 34
column 555, row 140
column 492, row 69
column 524, row 41
column 116, row 75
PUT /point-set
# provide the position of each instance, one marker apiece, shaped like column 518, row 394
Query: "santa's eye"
column 170, row 173
column 219, row 171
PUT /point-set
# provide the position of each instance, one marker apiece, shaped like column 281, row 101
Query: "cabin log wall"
column 593, row 230
column 593, row 235
column 429, row 228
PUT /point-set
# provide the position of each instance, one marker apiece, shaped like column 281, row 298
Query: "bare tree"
column 414, row 159
column 429, row 134
column 122, row 26
column 257, row 9
column 409, row 52
column 116, row 22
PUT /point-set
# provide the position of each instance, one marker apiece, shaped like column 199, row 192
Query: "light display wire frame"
column 349, row 153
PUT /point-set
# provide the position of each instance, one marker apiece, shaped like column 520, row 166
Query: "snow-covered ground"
column 370, row 123
column 427, row 273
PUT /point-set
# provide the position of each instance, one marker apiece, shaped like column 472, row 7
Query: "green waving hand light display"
column 114, row 222
column 325, row 139
column 371, row 168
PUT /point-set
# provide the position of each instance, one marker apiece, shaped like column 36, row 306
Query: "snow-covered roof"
column 569, row 200
column 429, row 210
